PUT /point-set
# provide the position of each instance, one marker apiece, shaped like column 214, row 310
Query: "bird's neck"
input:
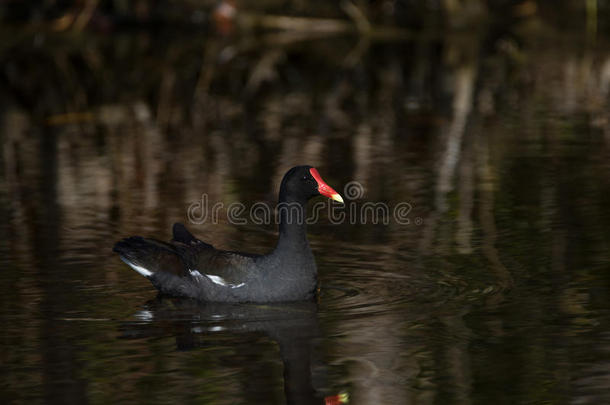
column 292, row 254
column 292, row 214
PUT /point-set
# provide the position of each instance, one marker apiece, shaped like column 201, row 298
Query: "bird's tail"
column 149, row 256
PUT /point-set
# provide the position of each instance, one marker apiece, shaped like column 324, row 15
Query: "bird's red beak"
column 324, row 188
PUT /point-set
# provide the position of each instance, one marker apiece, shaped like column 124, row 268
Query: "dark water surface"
column 497, row 290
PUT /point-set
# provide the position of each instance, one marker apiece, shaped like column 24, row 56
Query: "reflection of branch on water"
column 359, row 24
column 466, row 189
column 302, row 24
column 462, row 104
column 486, row 213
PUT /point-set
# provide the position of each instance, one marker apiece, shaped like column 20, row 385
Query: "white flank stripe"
column 139, row 269
column 216, row 279
column 144, row 315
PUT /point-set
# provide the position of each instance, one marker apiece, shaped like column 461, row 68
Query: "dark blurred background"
column 491, row 119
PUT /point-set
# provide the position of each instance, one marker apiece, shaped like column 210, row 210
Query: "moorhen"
column 189, row 267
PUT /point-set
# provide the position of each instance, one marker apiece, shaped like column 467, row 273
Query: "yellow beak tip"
column 337, row 198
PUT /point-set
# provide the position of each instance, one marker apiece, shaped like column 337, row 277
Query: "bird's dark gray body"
column 189, row 267
column 192, row 268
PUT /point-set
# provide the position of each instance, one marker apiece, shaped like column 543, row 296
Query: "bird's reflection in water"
column 294, row 326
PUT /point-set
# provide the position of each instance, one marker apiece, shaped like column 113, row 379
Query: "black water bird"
column 189, row 267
